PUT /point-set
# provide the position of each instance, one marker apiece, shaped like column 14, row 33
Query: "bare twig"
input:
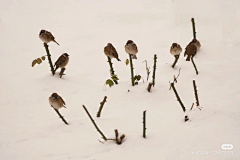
column 192, row 107
column 175, row 79
column 147, row 69
column 94, row 123
column 176, row 60
column 178, row 98
column 49, row 58
column 194, row 65
column 60, row 116
column 154, row 70
column 101, row 106
column 195, row 92
column 149, row 87
column 144, row 124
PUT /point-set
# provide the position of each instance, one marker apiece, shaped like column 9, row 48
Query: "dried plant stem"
column 192, row 107
column 94, row 123
column 118, row 140
column 132, row 73
column 193, row 26
column 176, row 60
column 149, row 87
column 49, row 58
column 61, row 116
column 144, row 124
column 154, row 70
column 195, row 92
column 111, row 69
column 147, row 69
column 178, row 98
column 194, row 66
column 101, row 106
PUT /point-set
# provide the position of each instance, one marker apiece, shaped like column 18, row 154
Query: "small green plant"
column 38, row 61
column 137, row 78
column 111, row 81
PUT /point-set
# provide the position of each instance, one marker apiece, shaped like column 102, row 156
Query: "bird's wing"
column 49, row 35
column 113, row 50
column 135, row 47
column 62, row 100
column 60, row 60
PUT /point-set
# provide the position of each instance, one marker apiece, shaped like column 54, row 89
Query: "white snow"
column 30, row 129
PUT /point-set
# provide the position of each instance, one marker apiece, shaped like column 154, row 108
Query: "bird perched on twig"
column 175, row 50
column 46, row 36
column 196, row 43
column 111, row 52
column 61, row 63
column 131, row 48
column 56, row 101
column 191, row 51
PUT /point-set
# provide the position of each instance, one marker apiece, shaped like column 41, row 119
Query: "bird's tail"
column 56, row 42
column 188, row 58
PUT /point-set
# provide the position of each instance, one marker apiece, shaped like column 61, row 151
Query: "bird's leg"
column 62, row 71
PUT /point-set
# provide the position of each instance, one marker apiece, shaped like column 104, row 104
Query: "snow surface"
column 30, row 129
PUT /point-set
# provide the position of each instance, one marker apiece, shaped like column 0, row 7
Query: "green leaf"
column 115, row 78
column 127, row 62
column 39, row 61
column 43, row 58
column 34, row 62
column 109, row 82
column 137, row 77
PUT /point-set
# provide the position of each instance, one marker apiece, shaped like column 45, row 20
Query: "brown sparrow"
column 175, row 50
column 56, row 101
column 196, row 43
column 191, row 51
column 62, row 61
column 46, row 36
column 131, row 48
column 111, row 52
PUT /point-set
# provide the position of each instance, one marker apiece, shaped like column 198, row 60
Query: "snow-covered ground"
column 30, row 129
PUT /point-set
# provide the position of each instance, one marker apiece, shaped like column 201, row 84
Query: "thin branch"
column 144, row 124
column 49, row 58
column 154, row 70
column 194, row 65
column 60, row 116
column 193, row 26
column 131, row 66
column 111, row 69
column 94, row 123
column 195, row 92
column 178, row 98
column 101, row 106
column 192, row 107
column 176, row 60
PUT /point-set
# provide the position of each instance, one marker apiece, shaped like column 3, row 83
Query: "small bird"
column 196, row 43
column 56, row 101
column 191, row 51
column 46, row 36
column 111, row 52
column 131, row 48
column 175, row 50
column 62, row 61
